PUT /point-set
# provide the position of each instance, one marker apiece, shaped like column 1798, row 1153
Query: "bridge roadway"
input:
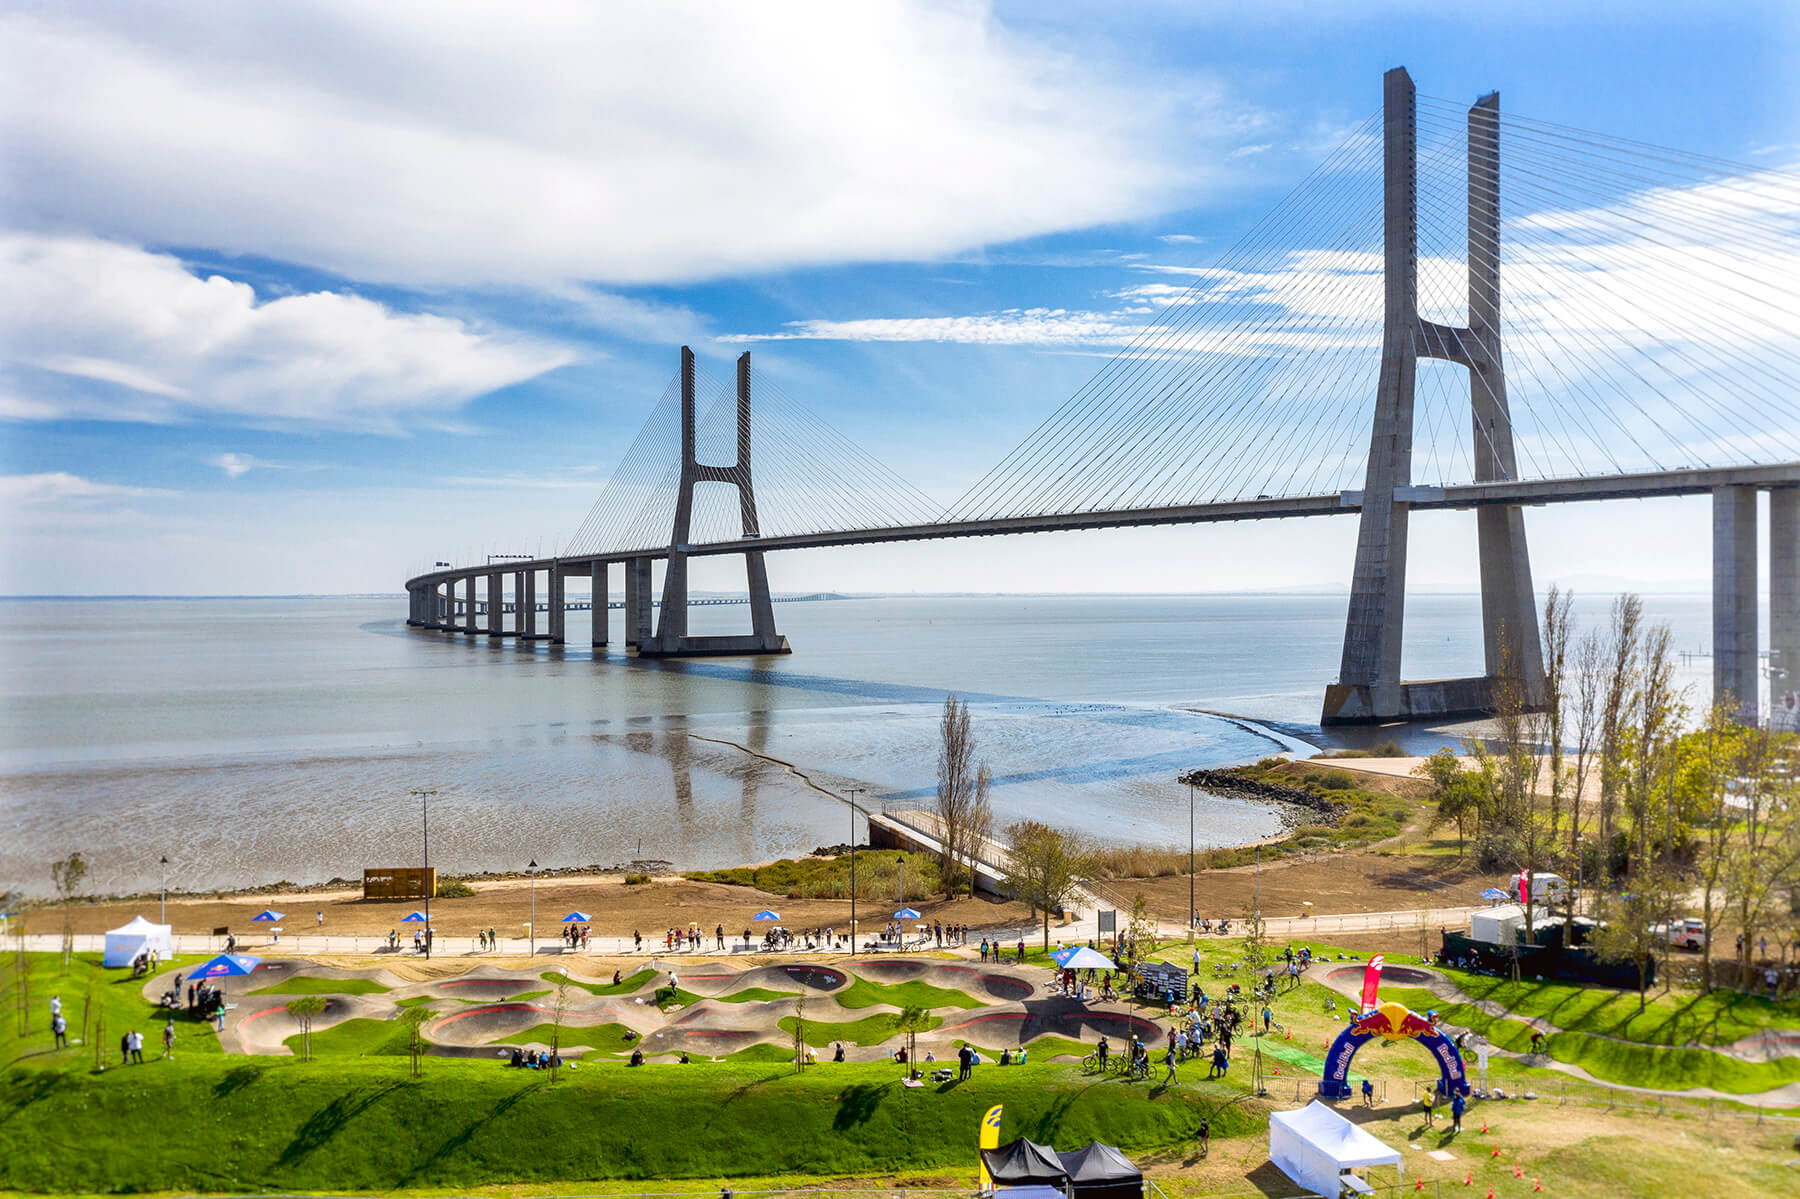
column 1530, row 492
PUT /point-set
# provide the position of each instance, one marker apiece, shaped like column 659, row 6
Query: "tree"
column 800, row 1032
column 1587, row 696
column 1763, row 859
column 1461, row 795
column 964, row 815
column 912, row 1020
column 1617, row 688
column 559, row 1011
column 413, row 1020
column 1256, row 940
column 304, row 1010
column 67, row 874
column 1044, row 867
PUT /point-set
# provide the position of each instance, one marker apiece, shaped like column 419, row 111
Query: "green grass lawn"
column 626, row 985
column 608, row 1037
column 870, row 1030
column 1676, row 1018
column 113, row 1003
column 863, row 993
column 307, row 985
column 347, row 1124
column 754, row 995
column 356, row 1037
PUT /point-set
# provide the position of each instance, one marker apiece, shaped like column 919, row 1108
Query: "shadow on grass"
column 328, row 1121
column 461, row 1139
column 37, row 1088
column 235, row 1080
column 857, row 1104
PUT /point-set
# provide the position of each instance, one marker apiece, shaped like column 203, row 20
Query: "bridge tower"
column 671, row 639
column 1369, row 689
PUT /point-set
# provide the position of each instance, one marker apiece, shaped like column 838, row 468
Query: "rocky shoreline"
column 1295, row 805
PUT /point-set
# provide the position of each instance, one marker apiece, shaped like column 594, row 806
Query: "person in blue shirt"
column 1457, row 1104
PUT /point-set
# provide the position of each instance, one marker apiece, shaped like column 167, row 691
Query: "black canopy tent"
column 1102, row 1172
column 1024, row 1163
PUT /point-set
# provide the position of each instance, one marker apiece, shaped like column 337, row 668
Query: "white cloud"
column 236, row 465
column 1251, row 151
column 171, row 345
column 464, row 143
column 1014, row 326
column 1181, row 239
column 52, row 487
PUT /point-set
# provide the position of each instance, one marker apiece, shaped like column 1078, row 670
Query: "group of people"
column 991, row 951
column 487, row 938
column 575, row 936
column 131, row 1043
column 534, row 1059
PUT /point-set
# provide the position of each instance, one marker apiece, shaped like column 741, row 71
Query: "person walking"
column 1204, row 1139
column 169, row 1039
column 1457, row 1105
column 1368, row 1092
column 319, row 919
column 1169, row 1060
column 59, row 1028
column 1196, row 961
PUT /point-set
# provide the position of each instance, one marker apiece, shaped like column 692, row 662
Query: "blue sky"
column 301, row 300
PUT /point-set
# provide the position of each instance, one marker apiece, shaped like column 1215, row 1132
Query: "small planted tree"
column 800, row 1032
column 912, row 1020
column 559, row 1012
column 413, row 1020
column 68, row 874
column 304, row 1010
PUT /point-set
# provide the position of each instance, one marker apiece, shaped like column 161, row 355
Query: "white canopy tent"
column 124, row 944
column 1315, row 1146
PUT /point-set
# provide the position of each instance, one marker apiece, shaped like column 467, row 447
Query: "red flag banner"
column 1372, row 981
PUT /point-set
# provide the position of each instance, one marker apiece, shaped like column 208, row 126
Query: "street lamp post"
column 1190, row 859
column 425, row 834
column 853, row 792
column 162, row 911
column 532, row 869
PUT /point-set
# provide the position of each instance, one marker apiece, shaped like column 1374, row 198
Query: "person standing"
column 137, row 1048
column 125, row 1048
column 962, row 1061
column 1457, row 1104
column 1368, row 1092
column 1205, row 1137
column 1196, row 961
column 55, row 1006
column 169, row 1039
column 319, row 917
column 59, row 1028
column 719, row 935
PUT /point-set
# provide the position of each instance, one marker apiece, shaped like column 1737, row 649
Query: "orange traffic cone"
column 1484, row 1126
column 1418, row 1184
column 1469, row 1178
column 1518, row 1171
column 1490, row 1194
column 1496, row 1152
column 1537, row 1184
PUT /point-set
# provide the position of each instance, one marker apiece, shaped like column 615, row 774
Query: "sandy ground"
column 1346, row 882
column 505, row 905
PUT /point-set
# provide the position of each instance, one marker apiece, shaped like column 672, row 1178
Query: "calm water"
column 254, row 740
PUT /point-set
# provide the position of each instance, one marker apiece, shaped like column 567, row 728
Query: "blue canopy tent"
column 1495, row 894
column 767, row 914
column 226, row 965
column 413, row 918
column 906, row 914
column 266, row 916
column 1080, row 957
column 577, row 918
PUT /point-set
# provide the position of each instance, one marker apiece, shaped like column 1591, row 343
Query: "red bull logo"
column 1391, row 1022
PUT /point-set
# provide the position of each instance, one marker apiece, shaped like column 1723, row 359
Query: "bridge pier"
column 555, row 583
column 638, row 605
column 1784, row 599
column 601, row 575
column 1369, row 689
column 496, row 605
column 671, row 639
column 1735, row 632
column 471, row 621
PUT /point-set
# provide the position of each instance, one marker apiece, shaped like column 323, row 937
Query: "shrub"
column 454, row 888
column 636, row 880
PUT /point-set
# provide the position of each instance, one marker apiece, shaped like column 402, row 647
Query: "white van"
column 1686, row 933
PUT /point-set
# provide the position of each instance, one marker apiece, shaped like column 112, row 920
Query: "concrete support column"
column 471, row 617
column 637, row 603
column 602, row 575
column 518, row 620
column 1784, row 601
column 556, row 584
column 529, row 622
column 1735, row 638
column 496, row 601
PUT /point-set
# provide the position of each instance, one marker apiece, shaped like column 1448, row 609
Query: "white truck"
column 1685, row 933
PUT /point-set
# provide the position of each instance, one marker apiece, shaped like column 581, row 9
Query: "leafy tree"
column 800, row 1032
column 67, row 874
column 559, row 1012
column 304, row 1010
column 413, row 1020
column 1044, row 868
column 1461, row 795
column 912, row 1020
column 963, row 813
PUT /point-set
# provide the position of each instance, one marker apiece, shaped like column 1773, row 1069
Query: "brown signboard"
column 400, row 882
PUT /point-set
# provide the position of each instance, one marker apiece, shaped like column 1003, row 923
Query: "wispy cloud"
column 53, row 487
column 1251, row 151
column 167, row 345
column 465, row 144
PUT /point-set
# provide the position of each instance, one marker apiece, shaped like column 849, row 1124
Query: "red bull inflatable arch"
column 1392, row 1022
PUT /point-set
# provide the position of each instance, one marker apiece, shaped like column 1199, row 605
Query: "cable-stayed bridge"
column 1457, row 309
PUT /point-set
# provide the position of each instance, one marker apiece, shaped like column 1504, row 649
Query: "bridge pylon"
column 1369, row 689
column 671, row 639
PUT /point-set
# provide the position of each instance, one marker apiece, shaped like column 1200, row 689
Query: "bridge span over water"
column 1378, row 372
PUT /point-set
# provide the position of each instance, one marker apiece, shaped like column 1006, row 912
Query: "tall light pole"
column 162, row 916
column 853, row 792
column 1190, row 859
column 532, row 869
column 425, row 834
